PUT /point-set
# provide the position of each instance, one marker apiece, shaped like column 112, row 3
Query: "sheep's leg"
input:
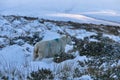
column 35, row 54
column 40, row 55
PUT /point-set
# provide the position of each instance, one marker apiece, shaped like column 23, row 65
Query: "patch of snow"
column 80, row 34
column 84, row 34
column 104, row 65
column 85, row 77
column 16, row 22
column 81, row 58
column 53, row 27
column 49, row 35
column 93, row 40
column 115, row 76
column 35, row 66
column 3, row 21
column 3, row 42
column 118, row 63
column 68, row 48
column 114, row 64
column 12, row 54
column 7, row 30
column 113, row 37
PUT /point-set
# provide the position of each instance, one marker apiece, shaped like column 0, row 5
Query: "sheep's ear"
column 67, row 36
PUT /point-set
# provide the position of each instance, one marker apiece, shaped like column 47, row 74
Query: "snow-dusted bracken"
column 115, row 38
column 17, row 51
column 93, row 25
column 18, row 34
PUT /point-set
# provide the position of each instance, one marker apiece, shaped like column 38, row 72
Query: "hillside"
column 93, row 54
column 102, row 9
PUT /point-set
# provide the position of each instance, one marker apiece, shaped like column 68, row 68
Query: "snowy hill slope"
column 95, row 48
column 93, row 55
column 65, row 17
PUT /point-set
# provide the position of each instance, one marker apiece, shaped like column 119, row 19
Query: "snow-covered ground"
column 17, row 55
column 115, row 38
column 18, row 36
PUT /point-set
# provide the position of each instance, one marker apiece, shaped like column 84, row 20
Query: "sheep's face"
column 68, row 40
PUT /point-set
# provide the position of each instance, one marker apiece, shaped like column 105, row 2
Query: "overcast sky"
column 83, row 5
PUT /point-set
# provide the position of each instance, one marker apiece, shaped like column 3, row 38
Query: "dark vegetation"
column 104, row 46
column 105, row 51
column 41, row 74
column 62, row 57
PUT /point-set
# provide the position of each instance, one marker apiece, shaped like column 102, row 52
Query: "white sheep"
column 46, row 49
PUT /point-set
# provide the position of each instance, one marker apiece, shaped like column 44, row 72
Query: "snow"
column 80, row 33
column 49, row 35
column 34, row 66
column 68, row 48
column 85, row 77
column 118, row 63
column 78, row 18
column 13, row 54
column 82, row 59
column 3, row 41
column 2, row 21
column 109, row 15
column 93, row 40
column 20, row 57
column 113, row 37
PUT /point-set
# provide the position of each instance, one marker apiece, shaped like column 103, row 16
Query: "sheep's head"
column 68, row 40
